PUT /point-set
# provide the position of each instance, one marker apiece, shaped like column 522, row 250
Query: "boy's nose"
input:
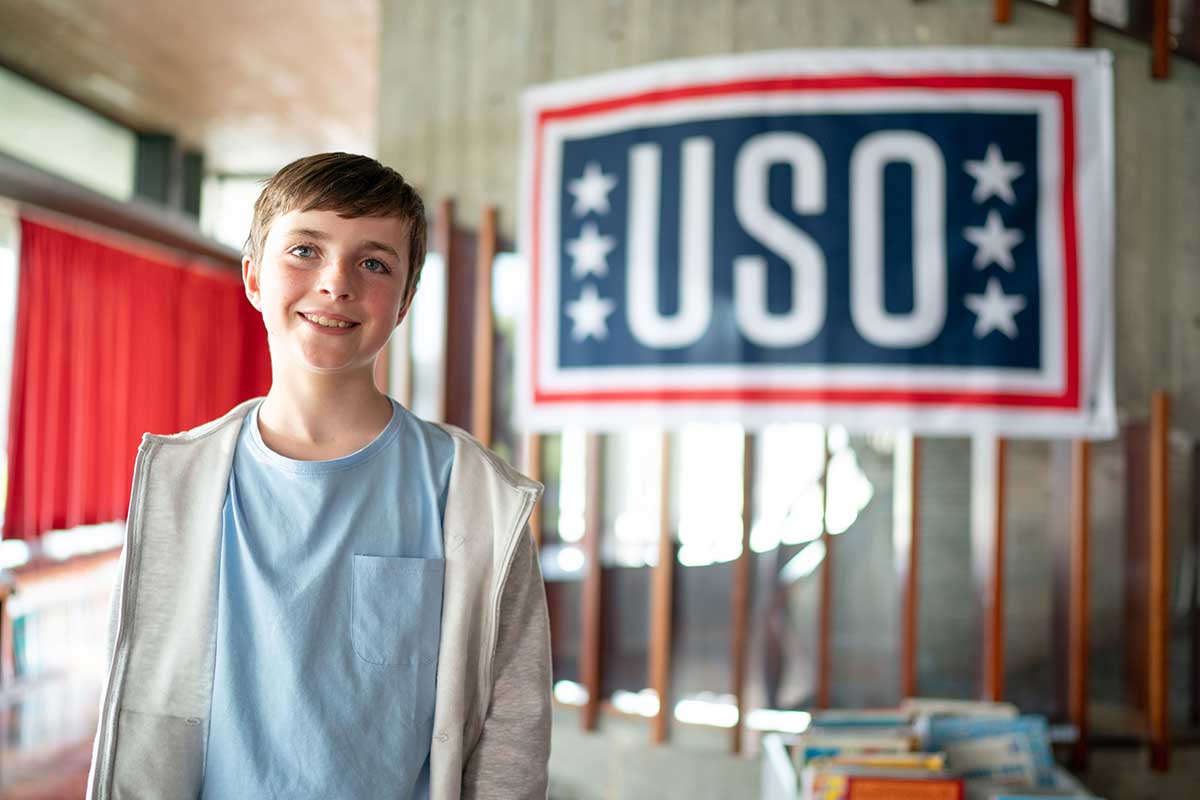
column 336, row 279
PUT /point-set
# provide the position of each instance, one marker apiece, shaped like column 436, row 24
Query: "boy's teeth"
column 328, row 323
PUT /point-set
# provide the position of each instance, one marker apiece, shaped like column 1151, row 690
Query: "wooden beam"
column 988, row 458
column 1194, row 605
column 483, row 348
column 1083, row 23
column 1003, row 11
column 1135, row 563
column 740, row 595
column 533, row 468
column 443, row 232
column 661, row 592
column 1078, row 647
column 1160, row 64
column 1160, row 548
column 825, row 618
column 592, row 606
column 907, row 558
column 995, row 625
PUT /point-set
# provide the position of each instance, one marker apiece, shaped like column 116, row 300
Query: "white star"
column 994, row 310
column 589, row 253
column 994, row 242
column 591, row 191
column 589, row 314
column 994, row 176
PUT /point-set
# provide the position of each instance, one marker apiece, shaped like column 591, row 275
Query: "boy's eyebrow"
column 310, row 233
column 371, row 244
column 365, row 244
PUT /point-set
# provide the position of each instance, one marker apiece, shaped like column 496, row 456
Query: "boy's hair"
column 349, row 185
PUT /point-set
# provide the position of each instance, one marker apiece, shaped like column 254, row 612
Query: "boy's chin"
column 324, row 365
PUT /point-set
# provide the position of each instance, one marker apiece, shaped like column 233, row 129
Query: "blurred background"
column 693, row 609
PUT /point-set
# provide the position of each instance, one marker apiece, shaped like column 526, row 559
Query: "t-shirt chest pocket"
column 396, row 609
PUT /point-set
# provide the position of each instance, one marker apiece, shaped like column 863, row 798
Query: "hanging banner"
column 877, row 238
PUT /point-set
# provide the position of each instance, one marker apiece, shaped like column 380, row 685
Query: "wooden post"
column 659, row 668
column 825, row 620
column 483, row 349
column 444, row 244
column 592, row 606
column 987, row 545
column 533, row 468
column 1003, row 11
column 907, row 556
column 1160, row 548
column 1083, row 23
column 1194, row 609
column 1078, row 669
column 1160, row 64
column 740, row 596
column 1136, row 565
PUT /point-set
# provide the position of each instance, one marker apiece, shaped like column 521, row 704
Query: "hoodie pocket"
column 158, row 756
column 396, row 609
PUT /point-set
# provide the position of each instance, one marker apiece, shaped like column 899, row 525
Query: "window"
column 227, row 207
column 57, row 135
column 9, row 232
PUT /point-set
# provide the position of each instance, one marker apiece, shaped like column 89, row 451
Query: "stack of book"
column 929, row 750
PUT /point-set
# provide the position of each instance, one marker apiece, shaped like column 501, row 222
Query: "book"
column 860, row 718
column 850, row 782
column 929, row 706
column 879, row 788
column 1012, row 751
column 820, row 744
column 929, row 762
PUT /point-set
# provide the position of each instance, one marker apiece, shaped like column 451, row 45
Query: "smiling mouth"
column 325, row 322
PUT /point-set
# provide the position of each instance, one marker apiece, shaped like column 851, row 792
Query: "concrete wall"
column 452, row 72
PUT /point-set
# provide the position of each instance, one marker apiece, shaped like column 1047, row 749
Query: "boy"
column 321, row 595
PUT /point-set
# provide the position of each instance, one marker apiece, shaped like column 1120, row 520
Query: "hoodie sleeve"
column 511, row 758
column 114, row 613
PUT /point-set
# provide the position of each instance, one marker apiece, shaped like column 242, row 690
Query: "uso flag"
column 916, row 238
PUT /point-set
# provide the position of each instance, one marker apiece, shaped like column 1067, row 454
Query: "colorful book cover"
column 1015, row 751
column 866, row 787
column 918, row 762
column 824, row 744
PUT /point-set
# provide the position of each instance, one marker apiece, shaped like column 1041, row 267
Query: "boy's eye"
column 301, row 250
column 379, row 267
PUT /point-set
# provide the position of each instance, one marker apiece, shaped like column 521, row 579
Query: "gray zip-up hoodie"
column 491, row 723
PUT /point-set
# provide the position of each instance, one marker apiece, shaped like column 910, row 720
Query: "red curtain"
column 112, row 341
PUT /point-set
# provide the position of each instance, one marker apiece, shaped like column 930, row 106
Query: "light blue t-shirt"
column 329, row 619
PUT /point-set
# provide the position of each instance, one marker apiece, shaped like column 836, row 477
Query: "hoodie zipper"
column 101, row 788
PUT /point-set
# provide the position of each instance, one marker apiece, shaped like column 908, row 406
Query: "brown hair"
column 351, row 186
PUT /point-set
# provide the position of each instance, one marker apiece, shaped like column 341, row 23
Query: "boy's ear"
column 250, row 281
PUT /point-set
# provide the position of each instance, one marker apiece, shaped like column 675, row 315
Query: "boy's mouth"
column 327, row 322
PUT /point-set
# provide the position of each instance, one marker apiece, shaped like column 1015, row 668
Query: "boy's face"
column 316, row 263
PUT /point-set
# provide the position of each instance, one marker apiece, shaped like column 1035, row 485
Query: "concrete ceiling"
column 252, row 84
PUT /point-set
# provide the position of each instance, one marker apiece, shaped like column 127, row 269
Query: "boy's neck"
column 317, row 418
